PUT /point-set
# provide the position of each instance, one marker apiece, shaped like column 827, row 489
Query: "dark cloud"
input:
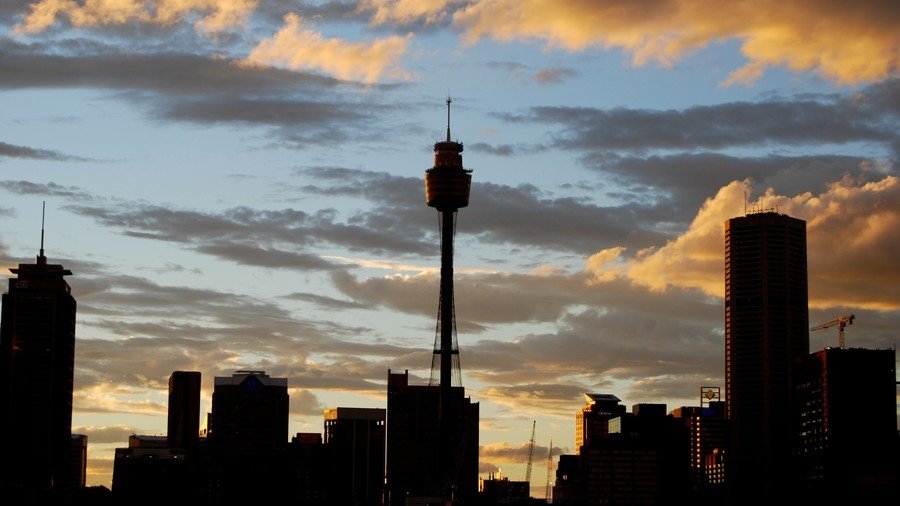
column 527, row 75
column 301, row 108
column 14, row 151
column 246, row 254
column 522, row 215
column 684, row 181
column 871, row 116
column 555, row 75
column 491, row 149
column 328, row 302
column 91, row 65
column 50, row 189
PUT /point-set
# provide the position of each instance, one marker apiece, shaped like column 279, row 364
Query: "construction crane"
column 841, row 322
column 530, row 454
column 549, row 471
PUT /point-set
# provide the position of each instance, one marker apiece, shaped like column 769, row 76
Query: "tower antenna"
column 43, row 214
column 448, row 116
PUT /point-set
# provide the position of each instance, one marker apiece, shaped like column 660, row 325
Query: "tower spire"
column 41, row 258
column 448, row 117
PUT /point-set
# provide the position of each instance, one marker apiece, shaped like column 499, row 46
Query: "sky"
column 238, row 184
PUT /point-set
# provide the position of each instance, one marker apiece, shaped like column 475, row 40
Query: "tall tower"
column 447, row 187
column 37, row 355
column 766, row 337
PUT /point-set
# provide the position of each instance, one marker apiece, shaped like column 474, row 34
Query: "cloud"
column 217, row 15
column 304, row 402
column 870, row 116
column 14, row 151
column 298, row 47
column 301, row 107
column 405, row 12
column 103, row 434
column 328, row 303
column 848, row 45
column 525, row 74
column 851, row 243
column 48, row 189
column 507, row 453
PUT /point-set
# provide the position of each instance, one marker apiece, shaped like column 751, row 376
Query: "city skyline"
column 221, row 216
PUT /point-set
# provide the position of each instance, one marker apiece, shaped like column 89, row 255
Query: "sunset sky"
column 237, row 184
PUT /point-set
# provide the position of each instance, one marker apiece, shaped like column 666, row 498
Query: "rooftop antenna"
column 43, row 214
column 745, row 202
column 448, row 116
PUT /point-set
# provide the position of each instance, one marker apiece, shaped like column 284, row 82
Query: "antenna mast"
column 448, row 117
column 43, row 214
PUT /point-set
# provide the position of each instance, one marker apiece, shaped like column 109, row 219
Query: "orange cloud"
column 846, row 43
column 852, row 243
column 299, row 48
column 219, row 14
column 406, row 11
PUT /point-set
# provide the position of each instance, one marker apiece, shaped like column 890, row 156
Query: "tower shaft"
column 447, row 303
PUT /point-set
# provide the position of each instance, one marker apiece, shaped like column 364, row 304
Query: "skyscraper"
column 37, row 354
column 848, row 425
column 766, row 335
column 354, row 439
column 248, row 437
column 184, row 410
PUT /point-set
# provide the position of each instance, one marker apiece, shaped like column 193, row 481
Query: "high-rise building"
column 78, row 460
column 708, row 432
column 184, row 410
column 432, row 449
column 247, row 437
column 766, row 335
column 592, row 422
column 354, row 440
column 412, row 441
column 37, row 354
column 848, row 422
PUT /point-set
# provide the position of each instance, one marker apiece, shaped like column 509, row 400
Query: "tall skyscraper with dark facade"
column 184, row 410
column 37, row 355
column 848, row 425
column 247, row 437
column 354, row 440
column 766, row 336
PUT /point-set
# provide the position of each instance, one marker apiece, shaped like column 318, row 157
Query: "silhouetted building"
column 708, row 433
column 78, row 460
column 848, row 424
column 569, row 487
column 502, row 490
column 37, row 353
column 150, row 471
column 412, row 429
column 354, row 439
column 247, row 438
column 766, row 335
column 311, row 475
column 638, row 458
column 184, row 410
column 592, row 422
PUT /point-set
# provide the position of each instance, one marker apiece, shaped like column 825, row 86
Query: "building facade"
column 412, row 439
column 354, row 440
column 37, row 354
column 184, row 411
column 848, row 418
column 247, row 438
column 766, row 336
